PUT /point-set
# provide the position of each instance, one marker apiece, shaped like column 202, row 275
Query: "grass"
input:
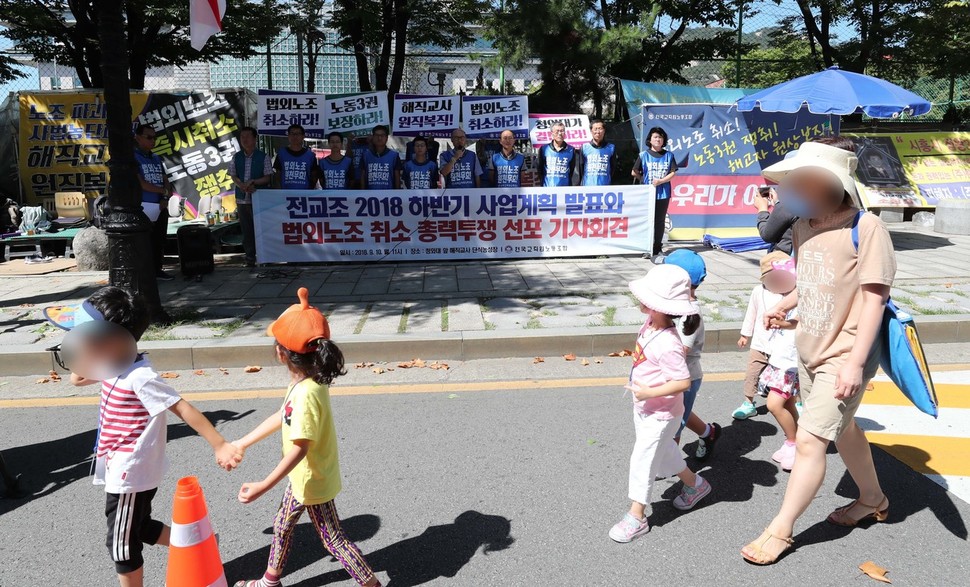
column 363, row 319
column 609, row 316
column 444, row 317
column 936, row 311
column 533, row 323
column 179, row 317
column 224, row 328
column 402, row 326
column 489, row 325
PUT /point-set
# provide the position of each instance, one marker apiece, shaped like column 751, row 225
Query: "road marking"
column 937, row 448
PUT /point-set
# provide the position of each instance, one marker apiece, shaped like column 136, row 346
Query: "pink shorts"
column 782, row 382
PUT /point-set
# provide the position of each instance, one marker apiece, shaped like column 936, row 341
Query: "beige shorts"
column 822, row 414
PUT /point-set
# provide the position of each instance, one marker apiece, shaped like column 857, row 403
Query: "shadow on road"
column 46, row 467
column 438, row 552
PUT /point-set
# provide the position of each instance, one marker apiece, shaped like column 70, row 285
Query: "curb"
column 582, row 341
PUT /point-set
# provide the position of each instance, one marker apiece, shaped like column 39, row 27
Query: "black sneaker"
column 705, row 445
column 162, row 276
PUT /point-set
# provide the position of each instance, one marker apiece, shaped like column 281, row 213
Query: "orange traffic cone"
column 193, row 555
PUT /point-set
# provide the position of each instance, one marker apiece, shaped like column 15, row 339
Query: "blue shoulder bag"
column 901, row 356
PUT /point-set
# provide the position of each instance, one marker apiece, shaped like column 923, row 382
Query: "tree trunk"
column 131, row 264
column 402, row 16
column 387, row 36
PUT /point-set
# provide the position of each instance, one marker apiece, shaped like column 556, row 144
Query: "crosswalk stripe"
column 950, row 395
column 941, row 455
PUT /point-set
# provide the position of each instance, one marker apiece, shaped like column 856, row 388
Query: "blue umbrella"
column 835, row 91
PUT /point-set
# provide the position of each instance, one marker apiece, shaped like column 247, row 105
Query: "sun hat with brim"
column 665, row 289
column 769, row 260
column 301, row 326
column 690, row 262
column 837, row 162
column 67, row 317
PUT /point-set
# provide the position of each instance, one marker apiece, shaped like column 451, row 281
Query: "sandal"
column 879, row 513
column 758, row 555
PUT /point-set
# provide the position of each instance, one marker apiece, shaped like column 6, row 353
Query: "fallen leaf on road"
column 538, row 360
column 438, row 366
column 419, row 363
column 590, row 441
column 405, row 365
column 584, row 362
column 55, row 376
column 623, row 353
column 874, row 571
column 948, row 285
column 169, row 375
column 43, row 380
column 252, row 369
column 378, row 370
column 452, row 395
column 224, row 370
column 569, row 357
column 870, row 386
column 363, row 365
column 598, row 361
column 200, row 372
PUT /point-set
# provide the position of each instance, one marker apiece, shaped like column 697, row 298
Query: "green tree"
column 785, row 56
column 380, row 31
column 65, row 31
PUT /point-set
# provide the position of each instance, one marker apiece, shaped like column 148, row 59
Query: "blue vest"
column 255, row 170
column 507, row 171
column 656, row 168
column 380, row 169
column 598, row 164
column 558, row 165
column 150, row 167
column 463, row 173
column 420, row 176
column 336, row 176
column 296, row 170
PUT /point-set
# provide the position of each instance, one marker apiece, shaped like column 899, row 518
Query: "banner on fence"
column 577, row 128
column 485, row 117
column 276, row 111
column 912, row 170
column 309, row 226
column 429, row 116
column 64, row 138
column 356, row 114
column 720, row 153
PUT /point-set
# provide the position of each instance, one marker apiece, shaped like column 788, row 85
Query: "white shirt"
column 753, row 327
column 132, row 430
column 782, row 353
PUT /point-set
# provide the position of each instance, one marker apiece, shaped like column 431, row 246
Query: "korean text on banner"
column 577, row 128
column 429, row 116
column 720, row 154
column 309, row 226
column 485, row 117
column 918, row 170
column 356, row 114
column 278, row 110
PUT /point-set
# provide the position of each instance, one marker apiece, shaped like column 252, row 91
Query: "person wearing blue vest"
column 507, row 165
column 250, row 169
column 597, row 158
column 155, row 192
column 336, row 169
column 656, row 166
column 380, row 167
column 296, row 166
column 557, row 160
column 420, row 171
column 459, row 166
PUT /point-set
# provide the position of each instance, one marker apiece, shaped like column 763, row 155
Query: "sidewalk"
column 456, row 310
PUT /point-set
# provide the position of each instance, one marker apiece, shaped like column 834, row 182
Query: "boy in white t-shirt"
column 132, row 429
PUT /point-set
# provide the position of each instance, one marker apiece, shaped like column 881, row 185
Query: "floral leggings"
column 325, row 520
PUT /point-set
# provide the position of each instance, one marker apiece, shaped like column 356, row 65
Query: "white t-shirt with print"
column 133, row 430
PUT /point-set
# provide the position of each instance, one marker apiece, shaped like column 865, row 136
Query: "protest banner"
column 429, row 116
column 577, row 128
column 720, row 153
column 63, row 141
column 356, row 114
column 912, row 170
column 485, row 117
column 276, row 111
column 304, row 226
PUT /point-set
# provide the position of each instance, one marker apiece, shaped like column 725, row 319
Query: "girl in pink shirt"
column 657, row 380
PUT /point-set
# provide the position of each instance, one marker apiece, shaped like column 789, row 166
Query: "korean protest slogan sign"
column 63, row 141
column 351, row 226
column 577, row 128
column 720, row 153
column 485, row 117
column 278, row 110
column 356, row 114
column 429, row 116
column 912, row 169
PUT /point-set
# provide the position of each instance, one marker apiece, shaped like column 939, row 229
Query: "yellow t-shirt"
column 306, row 416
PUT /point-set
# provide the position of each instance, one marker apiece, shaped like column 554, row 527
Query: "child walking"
column 310, row 461
column 132, row 429
column 763, row 297
column 780, row 377
column 707, row 434
column 657, row 380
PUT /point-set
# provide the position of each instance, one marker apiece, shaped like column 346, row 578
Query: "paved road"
column 447, row 484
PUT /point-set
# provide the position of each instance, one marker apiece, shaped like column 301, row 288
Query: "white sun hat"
column 838, row 162
column 666, row 289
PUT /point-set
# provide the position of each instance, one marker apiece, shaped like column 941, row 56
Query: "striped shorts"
column 325, row 520
column 130, row 526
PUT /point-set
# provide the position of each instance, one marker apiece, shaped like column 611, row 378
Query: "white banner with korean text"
column 276, row 111
column 307, row 226
column 356, row 114
column 429, row 116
